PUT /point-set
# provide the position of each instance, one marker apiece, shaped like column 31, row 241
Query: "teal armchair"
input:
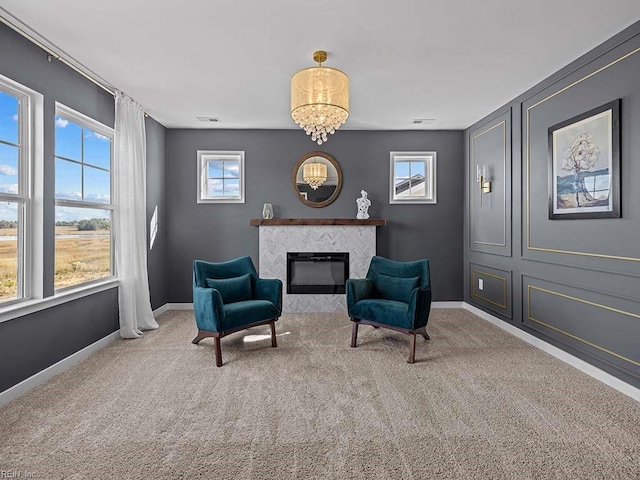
column 394, row 295
column 229, row 297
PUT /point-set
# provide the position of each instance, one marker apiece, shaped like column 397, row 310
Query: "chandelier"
column 320, row 99
column 315, row 174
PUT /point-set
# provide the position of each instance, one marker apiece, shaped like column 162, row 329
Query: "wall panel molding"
column 598, row 323
column 496, row 292
column 490, row 213
column 565, row 254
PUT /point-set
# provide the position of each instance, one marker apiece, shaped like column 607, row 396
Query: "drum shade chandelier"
column 320, row 99
column 315, row 174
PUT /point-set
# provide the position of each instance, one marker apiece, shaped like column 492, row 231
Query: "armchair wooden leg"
column 354, row 333
column 218, row 352
column 412, row 348
column 199, row 337
column 274, row 342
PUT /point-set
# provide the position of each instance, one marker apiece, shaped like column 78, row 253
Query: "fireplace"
column 309, row 273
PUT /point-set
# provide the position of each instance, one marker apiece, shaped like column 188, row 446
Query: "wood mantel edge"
column 372, row 222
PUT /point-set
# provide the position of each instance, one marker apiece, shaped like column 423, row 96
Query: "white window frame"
column 429, row 159
column 30, row 192
column 205, row 156
column 87, row 122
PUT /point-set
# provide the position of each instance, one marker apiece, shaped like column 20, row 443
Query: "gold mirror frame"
column 294, row 178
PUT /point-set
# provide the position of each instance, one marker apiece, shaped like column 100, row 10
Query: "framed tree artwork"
column 584, row 165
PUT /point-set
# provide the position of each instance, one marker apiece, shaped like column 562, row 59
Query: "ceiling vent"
column 209, row 119
column 423, row 121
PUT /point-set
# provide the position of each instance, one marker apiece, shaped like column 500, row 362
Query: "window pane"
column 231, row 169
column 417, row 168
column 83, row 245
column 8, row 251
column 215, row 169
column 97, row 185
column 9, row 107
column 401, row 169
column 68, row 180
column 402, row 186
column 68, row 139
column 9, row 168
column 231, row 188
column 214, row 188
column 97, row 149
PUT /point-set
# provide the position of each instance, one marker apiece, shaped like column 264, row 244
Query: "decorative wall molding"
column 497, row 125
column 567, row 358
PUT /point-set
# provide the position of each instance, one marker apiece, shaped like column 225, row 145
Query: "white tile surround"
column 276, row 241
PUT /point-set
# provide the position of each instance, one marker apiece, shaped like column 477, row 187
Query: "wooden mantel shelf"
column 372, row 222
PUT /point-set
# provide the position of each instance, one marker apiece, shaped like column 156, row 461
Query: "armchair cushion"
column 395, row 288
column 380, row 310
column 241, row 313
column 236, row 289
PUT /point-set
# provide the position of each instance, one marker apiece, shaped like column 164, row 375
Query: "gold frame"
column 575, row 337
column 485, row 299
column 472, row 233
column 528, row 169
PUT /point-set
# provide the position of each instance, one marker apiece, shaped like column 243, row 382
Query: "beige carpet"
column 478, row 403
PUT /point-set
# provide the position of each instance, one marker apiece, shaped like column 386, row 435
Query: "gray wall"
column 31, row 343
column 573, row 283
column 156, row 198
column 221, row 232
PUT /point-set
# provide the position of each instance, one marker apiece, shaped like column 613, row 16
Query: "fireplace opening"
column 317, row 272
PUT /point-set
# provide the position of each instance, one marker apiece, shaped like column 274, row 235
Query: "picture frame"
column 584, row 165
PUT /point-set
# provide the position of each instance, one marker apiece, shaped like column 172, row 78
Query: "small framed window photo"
column 412, row 177
column 220, row 177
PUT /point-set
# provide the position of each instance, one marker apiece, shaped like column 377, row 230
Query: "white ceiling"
column 452, row 60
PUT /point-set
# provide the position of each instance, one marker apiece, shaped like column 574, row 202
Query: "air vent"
column 423, row 121
column 209, row 119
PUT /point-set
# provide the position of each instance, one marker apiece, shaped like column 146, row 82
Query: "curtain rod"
column 51, row 52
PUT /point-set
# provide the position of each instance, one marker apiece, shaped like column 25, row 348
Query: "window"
column 220, row 177
column 17, row 117
column 413, row 177
column 83, row 186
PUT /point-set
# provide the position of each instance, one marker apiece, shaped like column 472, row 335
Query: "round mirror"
column 317, row 179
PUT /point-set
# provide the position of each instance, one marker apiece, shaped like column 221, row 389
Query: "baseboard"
column 159, row 311
column 179, row 306
column 44, row 375
column 447, row 305
column 560, row 354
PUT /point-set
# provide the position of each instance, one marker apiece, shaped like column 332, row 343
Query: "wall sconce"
column 481, row 178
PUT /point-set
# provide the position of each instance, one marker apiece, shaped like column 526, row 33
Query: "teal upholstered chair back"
column 384, row 266
column 231, row 269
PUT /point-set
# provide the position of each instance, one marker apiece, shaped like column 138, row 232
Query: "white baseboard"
column 179, row 306
column 447, row 305
column 44, row 375
column 159, row 311
column 560, row 354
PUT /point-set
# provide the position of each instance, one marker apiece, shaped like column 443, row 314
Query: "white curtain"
column 130, row 218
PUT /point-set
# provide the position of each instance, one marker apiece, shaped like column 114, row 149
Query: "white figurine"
column 363, row 206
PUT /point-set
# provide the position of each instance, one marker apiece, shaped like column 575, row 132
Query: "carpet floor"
column 478, row 403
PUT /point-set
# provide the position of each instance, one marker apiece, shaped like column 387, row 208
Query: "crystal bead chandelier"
column 315, row 174
column 320, row 99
